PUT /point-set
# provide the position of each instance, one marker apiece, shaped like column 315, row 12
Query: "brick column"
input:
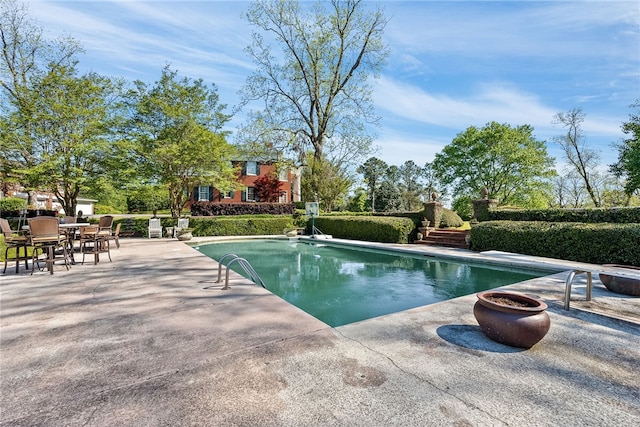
column 433, row 212
column 482, row 208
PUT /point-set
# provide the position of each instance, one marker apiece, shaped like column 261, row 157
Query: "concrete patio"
column 150, row 339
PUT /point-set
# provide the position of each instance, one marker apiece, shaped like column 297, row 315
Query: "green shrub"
column 450, row 219
column 210, row 226
column 613, row 215
column 12, row 204
column 236, row 209
column 602, row 243
column 232, row 226
column 369, row 228
column 346, row 213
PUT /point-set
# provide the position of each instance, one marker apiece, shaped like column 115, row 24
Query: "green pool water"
column 343, row 284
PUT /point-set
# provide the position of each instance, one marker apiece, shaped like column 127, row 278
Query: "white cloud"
column 198, row 38
column 477, row 29
column 490, row 102
column 495, row 101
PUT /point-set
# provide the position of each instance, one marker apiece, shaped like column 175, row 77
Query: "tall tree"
column 569, row 191
column 431, row 179
column 576, row 151
column 26, row 58
column 508, row 161
column 315, row 90
column 628, row 164
column 325, row 182
column 72, row 132
column 389, row 196
column 411, row 187
column 373, row 171
column 178, row 125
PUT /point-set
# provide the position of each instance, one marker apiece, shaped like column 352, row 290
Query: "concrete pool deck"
column 150, row 339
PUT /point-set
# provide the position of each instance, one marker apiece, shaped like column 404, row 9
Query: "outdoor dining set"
column 53, row 239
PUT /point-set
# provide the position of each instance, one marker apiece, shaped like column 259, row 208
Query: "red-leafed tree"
column 268, row 188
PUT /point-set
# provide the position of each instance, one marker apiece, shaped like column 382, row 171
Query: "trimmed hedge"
column 241, row 226
column 450, row 219
column 227, row 226
column 219, row 209
column 603, row 243
column 614, row 215
column 368, row 228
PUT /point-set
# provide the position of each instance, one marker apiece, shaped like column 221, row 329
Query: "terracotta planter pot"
column 621, row 285
column 512, row 325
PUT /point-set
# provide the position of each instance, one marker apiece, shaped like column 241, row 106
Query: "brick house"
column 250, row 171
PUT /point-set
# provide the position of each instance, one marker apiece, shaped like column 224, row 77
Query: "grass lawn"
column 12, row 251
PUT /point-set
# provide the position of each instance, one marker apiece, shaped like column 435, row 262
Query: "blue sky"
column 452, row 64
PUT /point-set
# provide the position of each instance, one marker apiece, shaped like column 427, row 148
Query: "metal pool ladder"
column 246, row 266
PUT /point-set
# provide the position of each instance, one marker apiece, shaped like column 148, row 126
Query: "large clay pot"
column 621, row 285
column 511, row 325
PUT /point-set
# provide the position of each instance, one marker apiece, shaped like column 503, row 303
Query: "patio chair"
column 182, row 224
column 89, row 242
column 94, row 241
column 104, row 233
column 104, row 226
column 13, row 241
column 155, row 227
column 115, row 235
column 44, row 236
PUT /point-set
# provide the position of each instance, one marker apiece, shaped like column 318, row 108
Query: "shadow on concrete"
column 599, row 318
column 472, row 337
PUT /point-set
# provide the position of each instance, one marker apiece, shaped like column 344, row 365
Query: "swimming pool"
column 342, row 284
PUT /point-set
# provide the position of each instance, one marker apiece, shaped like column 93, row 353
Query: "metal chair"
column 115, row 235
column 15, row 242
column 44, row 236
column 89, row 242
column 95, row 239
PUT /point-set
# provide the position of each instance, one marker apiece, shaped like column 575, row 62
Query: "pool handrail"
column 253, row 275
column 246, row 266
column 220, row 264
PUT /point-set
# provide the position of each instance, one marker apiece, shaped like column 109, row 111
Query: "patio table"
column 70, row 231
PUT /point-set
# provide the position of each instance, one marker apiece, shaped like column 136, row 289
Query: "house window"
column 203, row 194
column 251, row 194
column 227, row 195
column 252, row 168
column 283, row 197
column 282, row 175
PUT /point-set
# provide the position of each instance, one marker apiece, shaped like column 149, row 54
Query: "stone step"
column 447, row 238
